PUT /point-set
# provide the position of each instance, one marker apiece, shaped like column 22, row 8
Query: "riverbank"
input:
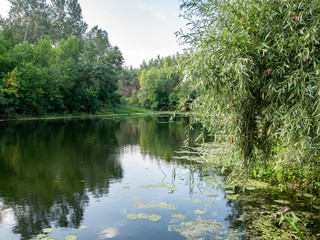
column 123, row 110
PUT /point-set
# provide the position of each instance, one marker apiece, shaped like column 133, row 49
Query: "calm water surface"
column 97, row 173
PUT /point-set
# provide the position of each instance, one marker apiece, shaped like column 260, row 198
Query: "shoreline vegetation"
column 123, row 110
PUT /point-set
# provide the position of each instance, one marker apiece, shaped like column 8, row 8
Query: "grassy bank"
column 121, row 110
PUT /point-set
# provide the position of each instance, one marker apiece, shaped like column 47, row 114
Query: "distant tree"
column 29, row 19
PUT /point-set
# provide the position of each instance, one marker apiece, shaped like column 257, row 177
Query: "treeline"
column 50, row 63
column 155, row 85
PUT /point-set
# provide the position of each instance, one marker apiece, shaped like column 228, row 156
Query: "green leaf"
column 200, row 211
column 71, row 237
column 154, row 217
column 179, row 216
column 143, row 216
column 132, row 216
column 47, row 230
column 232, row 196
column 308, row 195
column 282, row 201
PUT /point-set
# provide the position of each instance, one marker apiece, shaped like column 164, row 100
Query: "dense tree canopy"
column 255, row 66
column 155, row 85
column 49, row 63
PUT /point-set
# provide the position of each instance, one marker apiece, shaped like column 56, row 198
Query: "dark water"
column 94, row 173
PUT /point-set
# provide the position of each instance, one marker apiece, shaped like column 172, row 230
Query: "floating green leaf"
column 165, row 205
column 82, row 227
column 126, row 187
column 144, row 205
column 230, row 192
column 154, row 217
column 71, row 237
column 200, row 211
column 142, row 216
column 169, row 186
column 179, row 216
column 197, row 201
column 233, row 197
column 132, row 216
column 47, row 230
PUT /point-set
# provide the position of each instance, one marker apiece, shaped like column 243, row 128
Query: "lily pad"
column 165, row 205
column 179, row 216
column 169, row 186
column 82, row 227
column 71, row 237
column 154, row 217
column 144, row 205
column 142, row 216
column 200, row 211
column 47, row 230
column 126, row 187
column 132, row 216
column 233, row 197
column 197, row 201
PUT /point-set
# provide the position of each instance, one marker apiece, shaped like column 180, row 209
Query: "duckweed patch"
column 200, row 229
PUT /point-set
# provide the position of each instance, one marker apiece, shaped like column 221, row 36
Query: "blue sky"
column 142, row 29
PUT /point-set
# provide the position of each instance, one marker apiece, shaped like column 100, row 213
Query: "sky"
column 142, row 29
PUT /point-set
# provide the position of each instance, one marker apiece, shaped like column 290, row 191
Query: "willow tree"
column 255, row 67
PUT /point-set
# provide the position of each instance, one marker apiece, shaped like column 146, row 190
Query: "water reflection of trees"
column 158, row 136
column 48, row 168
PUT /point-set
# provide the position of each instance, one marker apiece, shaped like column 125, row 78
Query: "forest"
column 50, row 63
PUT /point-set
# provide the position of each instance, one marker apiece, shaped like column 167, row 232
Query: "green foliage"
column 52, row 66
column 155, row 85
column 255, row 68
